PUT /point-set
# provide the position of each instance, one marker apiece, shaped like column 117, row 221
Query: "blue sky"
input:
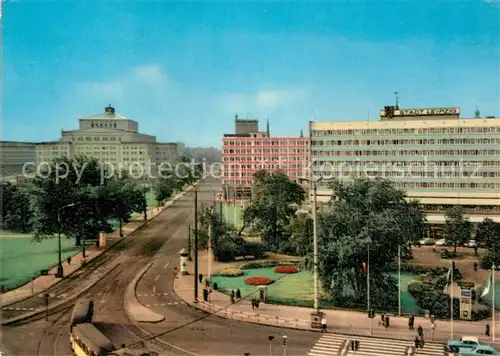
column 183, row 69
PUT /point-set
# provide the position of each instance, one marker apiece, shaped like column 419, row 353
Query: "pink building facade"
column 245, row 154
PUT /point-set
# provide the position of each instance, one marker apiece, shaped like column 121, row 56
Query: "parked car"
column 471, row 244
column 465, row 344
column 440, row 242
column 426, row 241
column 481, row 350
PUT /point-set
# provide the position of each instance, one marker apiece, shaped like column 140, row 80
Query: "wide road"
column 184, row 328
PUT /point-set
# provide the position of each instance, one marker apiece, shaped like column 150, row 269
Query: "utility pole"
column 195, row 244
column 189, row 243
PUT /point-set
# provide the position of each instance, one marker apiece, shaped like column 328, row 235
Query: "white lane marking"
column 157, row 277
column 165, row 293
column 154, row 289
column 148, row 305
column 166, row 265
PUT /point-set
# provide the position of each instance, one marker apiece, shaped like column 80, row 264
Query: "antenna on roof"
column 397, row 100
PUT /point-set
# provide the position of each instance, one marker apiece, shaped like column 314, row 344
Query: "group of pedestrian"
column 384, row 321
column 235, row 296
column 419, row 339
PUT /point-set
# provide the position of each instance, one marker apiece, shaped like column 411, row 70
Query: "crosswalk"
column 336, row 344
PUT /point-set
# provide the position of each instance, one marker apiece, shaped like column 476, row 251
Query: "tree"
column 188, row 171
column 72, row 190
column 368, row 221
column 17, row 212
column 226, row 245
column 274, row 202
column 457, row 228
column 301, row 226
column 488, row 234
column 164, row 190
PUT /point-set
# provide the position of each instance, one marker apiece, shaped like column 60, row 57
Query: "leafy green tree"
column 164, row 190
column 368, row 222
column 71, row 189
column 17, row 212
column 301, row 242
column 274, row 203
column 457, row 228
column 188, row 171
column 488, row 234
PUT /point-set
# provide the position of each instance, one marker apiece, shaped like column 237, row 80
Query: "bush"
column 258, row 281
column 232, row 272
column 486, row 262
column 286, row 269
column 269, row 264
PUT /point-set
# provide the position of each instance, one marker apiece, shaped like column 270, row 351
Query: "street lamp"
column 314, row 186
column 60, row 271
column 270, row 338
column 195, row 241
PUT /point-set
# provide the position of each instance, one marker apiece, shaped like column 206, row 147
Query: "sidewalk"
column 42, row 283
column 339, row 321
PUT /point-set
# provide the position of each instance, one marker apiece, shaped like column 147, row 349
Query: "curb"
column 58, row 304
column 130, row 300
column 165, row 207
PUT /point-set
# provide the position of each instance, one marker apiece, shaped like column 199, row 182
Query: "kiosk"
column 466, row 300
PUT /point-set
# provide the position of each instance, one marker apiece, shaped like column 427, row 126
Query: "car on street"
column 465, row 344
column 426, row 241
column 440, row 242
column 481, row 350
column 471, row 244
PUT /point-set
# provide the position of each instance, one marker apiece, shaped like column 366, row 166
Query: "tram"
column 82, row 312
column 86, row 340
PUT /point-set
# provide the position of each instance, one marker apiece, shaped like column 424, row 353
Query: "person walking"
column 420, row 331
column 238, row 294
column 69, row 260
column 487, row 330
column 200, row 277
column 417, row 342
column 475, row 266
column 382, row 319
column 323, row 324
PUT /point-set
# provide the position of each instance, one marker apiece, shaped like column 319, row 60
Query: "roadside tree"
column 368, row 222
column 457, row 228
column 17, row 212
column 488, row 234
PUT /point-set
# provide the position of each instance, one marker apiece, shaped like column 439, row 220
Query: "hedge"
column 269, row 264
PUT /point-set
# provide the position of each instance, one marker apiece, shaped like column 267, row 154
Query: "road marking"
column 148, row 305
column 154, row 289
column 157, row 277
column 176, row 303
column 165, row 293
column 166, row 265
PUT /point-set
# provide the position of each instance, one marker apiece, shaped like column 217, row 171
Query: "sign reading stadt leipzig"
column 427, row 112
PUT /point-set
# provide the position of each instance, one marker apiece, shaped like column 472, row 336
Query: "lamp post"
column 314, row 186
column 195, row 244
column 60, row 271
column 270, row 338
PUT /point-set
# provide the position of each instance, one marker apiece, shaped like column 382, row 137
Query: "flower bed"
column 258, row 281
column 286, row 269
column 232, row 272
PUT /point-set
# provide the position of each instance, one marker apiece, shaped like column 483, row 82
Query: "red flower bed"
column 258, row 281
column 286, row 269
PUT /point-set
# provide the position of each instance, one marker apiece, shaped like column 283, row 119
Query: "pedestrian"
column 69, row 260
column 422, row 342
column 417, row 342
column 253, row 303
column 382, row 319
column 487, row 330
column 231, row 297
column 323, row 324
column 475, row 266
column 238, row 294
column 420, row 331
column 200, row 277
column 386, row 322
column 412, row 322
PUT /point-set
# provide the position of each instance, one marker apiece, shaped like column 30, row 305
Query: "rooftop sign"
column 391, row 112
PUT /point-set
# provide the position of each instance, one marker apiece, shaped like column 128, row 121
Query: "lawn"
column 232, row 214
column 21, row 258
column 297, row 288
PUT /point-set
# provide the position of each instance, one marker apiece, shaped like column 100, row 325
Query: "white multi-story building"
column 14, row 155
column 112, row 139
column 437, row 157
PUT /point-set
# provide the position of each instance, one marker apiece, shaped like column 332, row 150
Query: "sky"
column 184, row 69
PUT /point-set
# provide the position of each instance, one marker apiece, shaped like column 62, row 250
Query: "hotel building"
column 434, row 155
column 247, row 151
column 110, row 138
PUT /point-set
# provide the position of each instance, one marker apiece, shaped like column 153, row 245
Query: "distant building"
column 432, row 154
column 13, row 156
column 110, row 138
column 248, row 151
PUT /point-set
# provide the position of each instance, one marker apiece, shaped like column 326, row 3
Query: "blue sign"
column 466, row 293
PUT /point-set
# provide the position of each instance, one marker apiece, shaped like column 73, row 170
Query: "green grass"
column 21, row 257
column 232, row 214
column 296, row 288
